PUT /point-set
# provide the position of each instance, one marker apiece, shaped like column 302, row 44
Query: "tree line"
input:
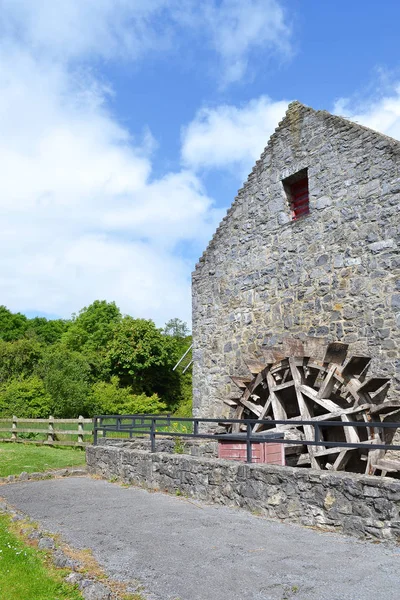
column 97, row 362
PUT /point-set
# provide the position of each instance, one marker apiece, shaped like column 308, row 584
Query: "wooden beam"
column 255, row 408
column 241, row 382
column 230, row 402
column 255, row 366
column 263, row 414
column 282, row 386
column 386, row 464
column 350, row 433
column 304, row 412
column 324, row 402
column 326, row 417
column 328, row 383
column 342, row 459
column 277, row 405
column 239, row 415
column 327, row 451
column 385, row 407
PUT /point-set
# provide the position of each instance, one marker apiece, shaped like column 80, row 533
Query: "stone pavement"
column 185, row 550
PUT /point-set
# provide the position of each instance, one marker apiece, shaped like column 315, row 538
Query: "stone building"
column 309, row 247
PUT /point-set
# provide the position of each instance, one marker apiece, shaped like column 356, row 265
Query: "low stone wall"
column 173, row 445
column 360, row 505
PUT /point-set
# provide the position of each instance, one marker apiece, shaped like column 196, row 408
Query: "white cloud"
column 162, row 207
column 239, row 27
column 381, row 112
column 68, row 29
column 81, row 217
column 70, row 272
column 113, row 29
column 231, row 137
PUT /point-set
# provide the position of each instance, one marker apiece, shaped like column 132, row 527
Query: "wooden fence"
column 52, row 431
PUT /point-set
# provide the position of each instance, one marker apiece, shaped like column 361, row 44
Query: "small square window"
column 296, row 188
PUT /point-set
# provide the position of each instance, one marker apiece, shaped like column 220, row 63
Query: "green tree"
column 19, row 359
column 46, row 331
column 12, row 326
column 176, row 328
column 143, row 358
column 25, row 398
column 66, row 377
column 91, row 332
column 93, row 328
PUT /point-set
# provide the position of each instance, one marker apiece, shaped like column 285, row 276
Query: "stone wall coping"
column 285, row 472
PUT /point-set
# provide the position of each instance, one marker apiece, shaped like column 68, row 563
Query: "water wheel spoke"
column 321, row 387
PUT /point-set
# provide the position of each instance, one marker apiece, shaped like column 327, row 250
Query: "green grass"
column 24, row 573
column 16, row 458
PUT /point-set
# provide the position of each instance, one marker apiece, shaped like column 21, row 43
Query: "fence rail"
column 156, row 425
column 52, row 431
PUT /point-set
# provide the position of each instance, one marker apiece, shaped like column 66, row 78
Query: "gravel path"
column 185, row 550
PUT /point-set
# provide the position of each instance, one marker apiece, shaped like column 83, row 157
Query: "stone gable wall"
column 333, row 274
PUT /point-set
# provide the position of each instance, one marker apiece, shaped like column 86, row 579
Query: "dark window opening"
column 296, row 188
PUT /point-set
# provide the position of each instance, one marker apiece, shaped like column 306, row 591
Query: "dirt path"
column 186, row 550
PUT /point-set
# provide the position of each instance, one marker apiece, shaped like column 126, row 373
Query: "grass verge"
column 25, row 573
column 16, row 458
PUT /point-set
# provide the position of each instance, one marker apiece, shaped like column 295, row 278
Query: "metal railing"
column 156, row 425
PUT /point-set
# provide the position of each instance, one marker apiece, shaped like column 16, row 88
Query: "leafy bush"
column 185, row 409
column 110, row 399
column 142, row 404
column 25, row 398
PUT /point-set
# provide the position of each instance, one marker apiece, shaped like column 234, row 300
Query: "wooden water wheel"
column 332, row 389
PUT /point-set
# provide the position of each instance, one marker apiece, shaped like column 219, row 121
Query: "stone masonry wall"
column 359, row 505
column 176, row 445
column 333, row 274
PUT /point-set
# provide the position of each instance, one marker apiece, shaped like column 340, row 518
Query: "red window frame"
column 299, row 198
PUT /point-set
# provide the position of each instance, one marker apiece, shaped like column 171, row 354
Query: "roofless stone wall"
column 333, row 274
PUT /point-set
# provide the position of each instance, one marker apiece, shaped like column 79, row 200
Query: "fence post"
column 317, row 433
column 248, row 444
column 50, row 431
column 196, row 427
column 80, row 430
column 153, row 435
column 94, row 431
column 14, row 433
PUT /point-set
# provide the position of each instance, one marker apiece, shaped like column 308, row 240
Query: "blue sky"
column 127, row 127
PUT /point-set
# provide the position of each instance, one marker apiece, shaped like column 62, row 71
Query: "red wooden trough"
column 233, row 448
